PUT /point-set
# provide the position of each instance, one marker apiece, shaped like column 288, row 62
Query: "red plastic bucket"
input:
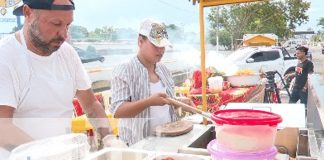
column 245, row 130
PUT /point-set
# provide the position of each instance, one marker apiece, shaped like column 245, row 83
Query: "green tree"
column 175, row 33
column 95, row 35
column 172, row 27
column 296, row 12
column 321, row 22
column 78, row 32
column 224, row 38
column 103, row 34
column 316, row 38
column 108, row 33
column 278, row 17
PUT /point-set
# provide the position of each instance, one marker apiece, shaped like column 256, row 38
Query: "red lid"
column 90, row 132
column 246, row 117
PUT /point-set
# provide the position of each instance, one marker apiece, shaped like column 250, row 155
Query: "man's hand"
column 289, row 76
column 286, row 77
column 131, row 109
column 95, row 111
column 187, row 101
column 159, row 99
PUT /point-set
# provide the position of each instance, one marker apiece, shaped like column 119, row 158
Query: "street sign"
column 8, row 20
column 7, row 4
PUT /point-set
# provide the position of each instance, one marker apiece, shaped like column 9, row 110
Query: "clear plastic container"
column 245, row 130
column 218, row 153
column 64, row 147
column 177, row 156
column 119, row 154
column 215, row 83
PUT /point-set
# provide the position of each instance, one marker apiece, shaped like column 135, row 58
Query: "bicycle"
column 272, row 92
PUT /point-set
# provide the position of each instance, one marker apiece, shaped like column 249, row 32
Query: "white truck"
column 263, row 58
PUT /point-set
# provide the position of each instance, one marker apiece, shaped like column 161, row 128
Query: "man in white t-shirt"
column 40, row 76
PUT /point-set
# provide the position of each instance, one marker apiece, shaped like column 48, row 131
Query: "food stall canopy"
column 208, row 3
column 260, row 39
column 203, row 4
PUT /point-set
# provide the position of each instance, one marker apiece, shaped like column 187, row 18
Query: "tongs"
column 193, row 109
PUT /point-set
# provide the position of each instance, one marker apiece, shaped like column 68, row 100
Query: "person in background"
column 142, row 86
column 303, row 68
column 40, row 76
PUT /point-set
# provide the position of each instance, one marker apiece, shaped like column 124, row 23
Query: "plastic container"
column 92, row 141
column 244, row 80
column 64, row 147
column 215, row 83
column 177, row 156
column 218, row 153
column 135, row 154
column 118, row 154
column 245, row 130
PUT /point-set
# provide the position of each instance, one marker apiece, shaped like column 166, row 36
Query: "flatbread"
column 174, row 128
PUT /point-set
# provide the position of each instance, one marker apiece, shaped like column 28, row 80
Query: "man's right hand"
column 131, row 109
column 289, row 76
column 159, row 99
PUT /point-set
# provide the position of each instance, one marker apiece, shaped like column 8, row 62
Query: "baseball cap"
column 156, row 32
column 48, row 5
column 43, row 4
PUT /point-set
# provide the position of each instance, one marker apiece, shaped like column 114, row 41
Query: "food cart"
column 302, row 142
column 195, row 141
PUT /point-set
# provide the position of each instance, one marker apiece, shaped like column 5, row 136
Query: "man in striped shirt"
column 141, row 86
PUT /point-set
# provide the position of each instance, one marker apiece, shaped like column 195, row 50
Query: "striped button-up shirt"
column 130, row 82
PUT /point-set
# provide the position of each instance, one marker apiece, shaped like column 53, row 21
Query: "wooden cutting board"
column 174, row 128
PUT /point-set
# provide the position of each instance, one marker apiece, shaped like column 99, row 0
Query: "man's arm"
column 10, row 135
column 95, row 111
column 310, row 70
column 131, row 109
column 290, row 75
column 185, row 100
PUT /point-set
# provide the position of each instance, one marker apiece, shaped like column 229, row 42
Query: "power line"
column 176, row 7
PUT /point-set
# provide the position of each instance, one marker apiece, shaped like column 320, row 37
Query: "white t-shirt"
column 40, row 88
column 159, row 114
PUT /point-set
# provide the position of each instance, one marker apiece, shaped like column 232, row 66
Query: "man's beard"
column 36, row 40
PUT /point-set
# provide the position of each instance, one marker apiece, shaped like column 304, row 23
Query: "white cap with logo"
column 156, row 32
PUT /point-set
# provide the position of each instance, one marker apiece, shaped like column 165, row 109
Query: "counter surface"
column 170, row 144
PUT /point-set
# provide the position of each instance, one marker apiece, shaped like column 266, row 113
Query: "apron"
column 45, row 105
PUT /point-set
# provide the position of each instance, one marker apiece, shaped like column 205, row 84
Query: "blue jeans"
column 298, row 94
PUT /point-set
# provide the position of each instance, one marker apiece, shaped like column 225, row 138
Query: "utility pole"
column 217, row 29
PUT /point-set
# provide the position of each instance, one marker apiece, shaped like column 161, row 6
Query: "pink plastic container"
column 218, row 153
column 245, row 130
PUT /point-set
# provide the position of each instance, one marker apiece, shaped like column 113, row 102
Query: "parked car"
column 89, row 55
column 263, row 58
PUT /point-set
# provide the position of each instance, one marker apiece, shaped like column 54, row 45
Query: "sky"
column 129, row 13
